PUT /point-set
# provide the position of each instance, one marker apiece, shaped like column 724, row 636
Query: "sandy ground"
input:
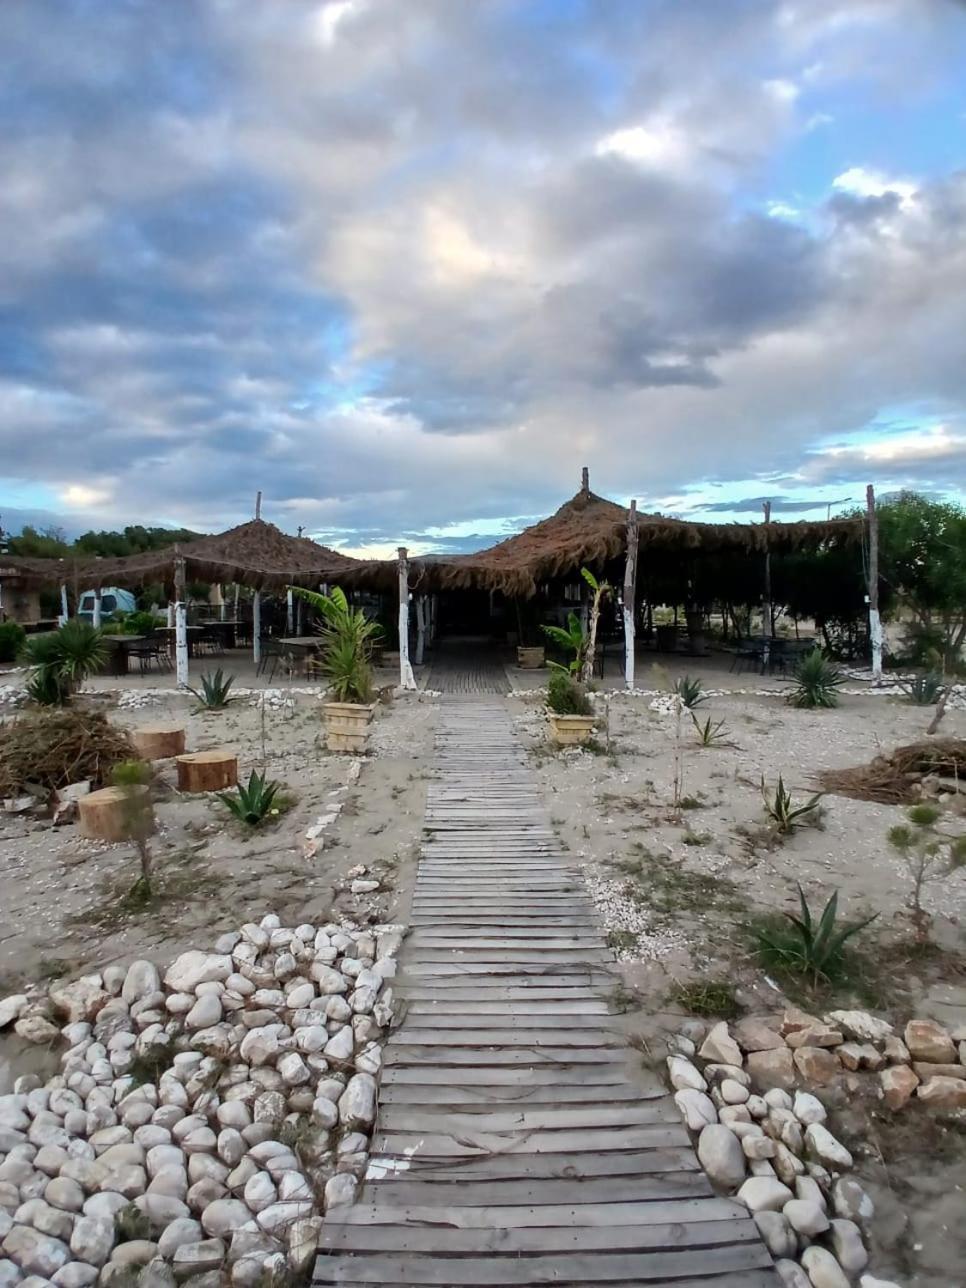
column 61, row 897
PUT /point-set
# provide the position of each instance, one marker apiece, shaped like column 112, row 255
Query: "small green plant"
column 782, row 810
column 253, row 803
column 690, row 690
column 817, row 682
column 565, row 697
column 925, row 690
column 928, row 855
column 622, row 940
column 713, row 999
column 571, row 639
column 60, row 661
column 805, row 947
column 131, row 776
column 12, row 636
column 711, row 733
column 213, row 694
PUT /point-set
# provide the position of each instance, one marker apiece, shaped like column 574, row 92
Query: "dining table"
column 119, row 647
column 191, row 634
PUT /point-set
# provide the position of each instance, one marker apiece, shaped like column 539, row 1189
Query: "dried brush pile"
column 62, row 745
column 896, row 779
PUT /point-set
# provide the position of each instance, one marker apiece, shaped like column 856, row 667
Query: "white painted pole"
column 180, row 626
column 875, row 621
column 289, row 611
column 630, row 592
column 257, row 626
column 170, row 614
column 420, row 628
column 406, row 678
column 64, row 605
column 96, row 615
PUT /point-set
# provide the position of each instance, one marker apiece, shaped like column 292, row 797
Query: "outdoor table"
column 226, row 631
column 300, row 641
column 118, row 646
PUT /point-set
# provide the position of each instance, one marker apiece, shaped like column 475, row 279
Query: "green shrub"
column 809, row 948
column 140, row 623
column 348, row 636
column 925, row 690
column 712, row 733
column 565, row 697
column 816, row 682
column 782, row 810
column 62, row 660
column 12, row 636
column 213, row 694
column 252, row 804
column 690, row 691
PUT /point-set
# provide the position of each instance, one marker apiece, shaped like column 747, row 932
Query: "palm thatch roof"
column 591, row 530
column 256, row 554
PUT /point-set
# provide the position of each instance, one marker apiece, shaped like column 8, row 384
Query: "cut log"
column 159, row 741
column 116, row 813
column 207, row 771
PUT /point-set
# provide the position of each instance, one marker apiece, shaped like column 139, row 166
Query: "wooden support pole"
column 767, row 622
column 64, row 604
column 630, row 592
column 257, row 627
column 289, row 611
column 180, row 625
column 406, row 678
column 585, row 480
column 875, row 622
column 420, row 628
column 96, row 615
column 258, row 505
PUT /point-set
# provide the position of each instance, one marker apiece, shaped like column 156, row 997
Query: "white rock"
column 142, row 979
column 822, row 1268
column 178, row 1233
column 92, row 1240
column 859, row 1025
column 805, row 1217
column 846, row 1239
column 105, row 1206
column 341, row 1046
column 11, row 1008
column 791, row 1274
column 293, row 1069
column 683, row 1075
column 279, row 1216
column 223, row 1216
column 762, row 1194
column 196, row 1258
column 778, row 1236
column 821, row 1144
column 808, row 1109
column 259, row 1046
column 36, row 1253
column 721, row 1156
column 66, row 1194
column 231, row 1146
column 850, row 1201
column 303, row 1242
column 776, row 1098
column 870, row 1281
column 205, row 1012
column 720, row 1047
column 193, row 968
column 340, row 1190
column 76, row 1274
column 357, row 1105
column 161, row 1209
column 696, row 1108
column 732, row 1092
column 260, row 1192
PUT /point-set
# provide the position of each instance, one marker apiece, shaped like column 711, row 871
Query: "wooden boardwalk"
column 467, row 667
column 518, row 1140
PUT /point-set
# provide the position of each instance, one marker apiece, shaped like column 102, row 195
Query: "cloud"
column 404, row 265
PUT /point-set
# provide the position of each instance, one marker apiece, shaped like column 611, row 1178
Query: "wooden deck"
column 518, row 1139
column 467, row 667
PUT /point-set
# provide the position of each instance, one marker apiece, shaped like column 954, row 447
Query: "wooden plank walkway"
column 467, row 667
column 518, row 1142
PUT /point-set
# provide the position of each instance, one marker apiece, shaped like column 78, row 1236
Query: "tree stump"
column 207, row 771
column 116, row 813
column 158, row 742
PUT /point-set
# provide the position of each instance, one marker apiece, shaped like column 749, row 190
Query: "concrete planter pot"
column 531, row 658
column 570, row 731
column 347, row 725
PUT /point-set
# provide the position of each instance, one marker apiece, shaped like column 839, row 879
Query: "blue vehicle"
column 113, row 600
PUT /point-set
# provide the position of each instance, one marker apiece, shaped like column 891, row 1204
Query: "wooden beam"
column 257, row 626
column 406, row 678
column 258, row 505
column 421, row 613
column 289, row 611
column 630, row 592
column 875, row 622
column 64, row 604
column 96, row 615
column 767, row 620
column 180, row 625
column 585, row 480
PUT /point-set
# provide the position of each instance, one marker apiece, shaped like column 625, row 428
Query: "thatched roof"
column 590, row 530
column 256, row 554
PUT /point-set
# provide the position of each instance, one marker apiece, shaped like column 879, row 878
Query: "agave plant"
column 925, row 690
column 253, row 803
column 816, row 682
column 213, row 694
column 62, row 660
column 712, row 733
column 782, row 810
column 690, row 691
column 811, row 948
column 348, row 636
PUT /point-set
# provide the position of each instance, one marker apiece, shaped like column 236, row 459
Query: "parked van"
column 113, row 600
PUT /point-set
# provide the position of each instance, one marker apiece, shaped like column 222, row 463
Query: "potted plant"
column 568, row 709
column 347, row 642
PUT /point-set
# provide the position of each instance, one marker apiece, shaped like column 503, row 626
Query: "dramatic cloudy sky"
column 406, row 265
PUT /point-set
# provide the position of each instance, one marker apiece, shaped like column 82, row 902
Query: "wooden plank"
column 658, row 1212
column 524, row 1017
column 602, row 1189
column 496, row 1037
column 469, row 1143
column 493, row 1097
column 405, row 1053
column 627, row 1163
column 512, row 1119
column 555, row 1073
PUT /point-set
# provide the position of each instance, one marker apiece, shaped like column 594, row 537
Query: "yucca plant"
column 807, row 947
column 213, row 694
column 348, row 636
column 690, row 690
column 817, row 682
column 252, row 804
column 62, row 660
column 782, row 810
column 925, row 690
column 712, row 733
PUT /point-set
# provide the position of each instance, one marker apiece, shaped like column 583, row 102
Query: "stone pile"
column 203, row 1120
column 771, row 1148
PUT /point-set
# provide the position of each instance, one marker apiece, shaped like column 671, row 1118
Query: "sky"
column 405, row 266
